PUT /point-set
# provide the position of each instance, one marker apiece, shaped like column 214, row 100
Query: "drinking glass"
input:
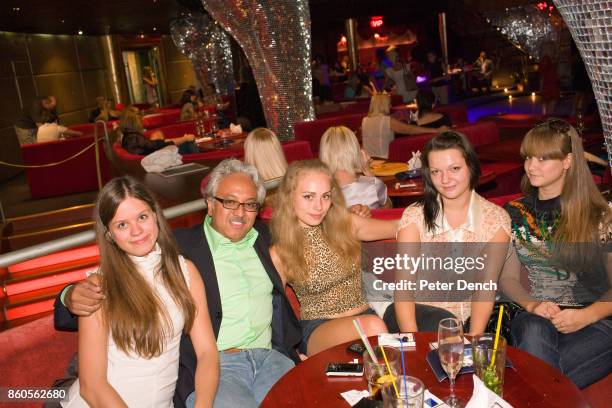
column 490, row 372
column 377, row 374
column 450, row 351
column 410, row 390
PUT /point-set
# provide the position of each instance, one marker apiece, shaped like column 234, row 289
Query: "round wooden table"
column 532, row 382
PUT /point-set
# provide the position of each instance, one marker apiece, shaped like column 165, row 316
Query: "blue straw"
column 403, row 365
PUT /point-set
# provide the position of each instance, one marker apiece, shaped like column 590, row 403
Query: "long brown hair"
column 583, row 208
column 287, row 234
column 132, row 311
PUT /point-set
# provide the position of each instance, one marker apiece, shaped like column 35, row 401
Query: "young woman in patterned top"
column 316, row 250
column 558, row 229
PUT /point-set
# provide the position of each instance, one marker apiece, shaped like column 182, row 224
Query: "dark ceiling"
column 98, row 17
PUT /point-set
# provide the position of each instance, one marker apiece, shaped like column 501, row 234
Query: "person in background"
column 189, row 103
column 425, row 116
column 350, row 165
column 263, row 150
column 134, row 141
column 316, row 249
column 128, row 351
column 559, row 231
column 483, row 73
column 51, row 132
column 438, row 79
column 378, row 128
column 401, row 76
column 450, row 211
column 150, row 85
column 42, row 110
column 320, row 72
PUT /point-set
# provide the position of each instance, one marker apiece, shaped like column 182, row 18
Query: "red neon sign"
column 376, row 22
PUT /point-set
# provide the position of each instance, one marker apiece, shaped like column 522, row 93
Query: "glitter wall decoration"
column 205, row 43
column 532, row 27
column 275, row 36
column 589, row 21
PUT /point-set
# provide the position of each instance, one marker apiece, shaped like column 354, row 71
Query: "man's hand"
column 361, row 210
column 571, row 320
column 85, row 297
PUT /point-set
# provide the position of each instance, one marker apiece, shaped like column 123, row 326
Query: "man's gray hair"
column 231, row 166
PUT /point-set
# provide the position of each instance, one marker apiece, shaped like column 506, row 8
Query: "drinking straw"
column 382, row 348
column 366, row 343
column 499, row 320
column 403, row 364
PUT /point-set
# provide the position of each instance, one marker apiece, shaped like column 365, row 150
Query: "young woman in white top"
column 378, row 128
column 340, row 151
column 128, row 350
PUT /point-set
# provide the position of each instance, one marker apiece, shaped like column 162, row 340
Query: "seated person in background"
column 134, row 141
column 378, row 128
column 128, row 351
column 43, row 110
column 559, row 230
column 104, row 110
column 316, row 249
column 340, row 151
column 425, row 116
column 189, row 103
column 450, row 211
column 51, row 131
column 263, row 150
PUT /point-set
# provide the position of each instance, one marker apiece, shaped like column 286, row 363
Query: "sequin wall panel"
column 590, row 22
column 205, row 43
column 275, row 36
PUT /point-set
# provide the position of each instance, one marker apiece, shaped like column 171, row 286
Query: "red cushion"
column 507, row 181
column 478, row 134
column 297, row 150
column 312, row 131
column 74, row 176
column 160, row 119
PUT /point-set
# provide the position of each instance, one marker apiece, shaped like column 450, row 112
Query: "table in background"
column 533, row 383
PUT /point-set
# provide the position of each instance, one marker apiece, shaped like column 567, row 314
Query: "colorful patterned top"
column 534, row 223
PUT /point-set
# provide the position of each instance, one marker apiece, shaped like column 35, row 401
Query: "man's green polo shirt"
column 245, row 289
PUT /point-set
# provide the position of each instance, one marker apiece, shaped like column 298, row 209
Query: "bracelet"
column 63, row 294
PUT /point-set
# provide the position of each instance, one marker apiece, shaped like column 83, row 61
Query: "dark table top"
column 532, row 383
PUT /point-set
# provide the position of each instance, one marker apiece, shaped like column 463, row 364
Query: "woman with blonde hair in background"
column 340, row 151
column 128, row 351
column 378, row 128
column 316, row 249
column 263, row 150
column 560, row 230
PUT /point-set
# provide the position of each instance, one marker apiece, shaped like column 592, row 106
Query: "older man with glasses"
column 256, row 330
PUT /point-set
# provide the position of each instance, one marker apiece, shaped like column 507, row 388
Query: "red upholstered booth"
column 74, row 176
column 479, row 134
column 457, row 113
column 312, row 131
column 166, row 117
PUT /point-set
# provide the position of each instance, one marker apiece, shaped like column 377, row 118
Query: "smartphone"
column 357, row 348
column 344, row 370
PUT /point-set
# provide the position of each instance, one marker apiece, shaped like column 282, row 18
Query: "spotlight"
column 80, row 32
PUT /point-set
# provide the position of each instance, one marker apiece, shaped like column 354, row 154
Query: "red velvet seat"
column 160, row 119
column 76, row 175
column 312, row 131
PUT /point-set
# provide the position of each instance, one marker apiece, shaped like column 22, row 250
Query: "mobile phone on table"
column 357, row 348
column 344, row 370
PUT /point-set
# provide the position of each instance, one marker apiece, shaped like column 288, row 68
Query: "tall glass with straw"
column 450, row 351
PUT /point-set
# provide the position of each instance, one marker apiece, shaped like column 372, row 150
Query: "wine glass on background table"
column 450, row 351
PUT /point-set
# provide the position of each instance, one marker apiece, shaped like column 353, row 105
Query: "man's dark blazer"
column 286, row 332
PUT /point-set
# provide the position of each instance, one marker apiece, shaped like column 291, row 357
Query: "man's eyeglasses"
column 230, row 204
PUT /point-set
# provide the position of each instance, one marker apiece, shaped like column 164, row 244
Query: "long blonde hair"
column 339, row 150
column 288, row 235
column 583, row 208
column 263, row 150
column 380, row 104
column 131, row 120
column 133, row 313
